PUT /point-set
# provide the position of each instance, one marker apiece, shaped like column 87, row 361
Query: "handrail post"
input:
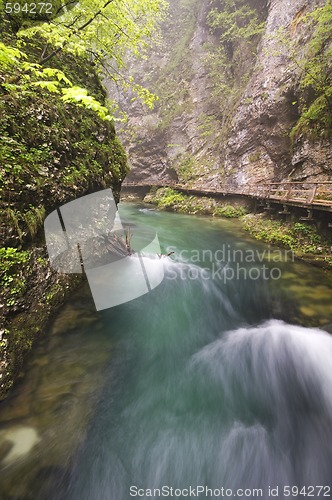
column 313, row 194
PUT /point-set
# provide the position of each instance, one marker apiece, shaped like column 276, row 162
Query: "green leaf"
column 10, row 56
column 51, row 85
column 79, row 95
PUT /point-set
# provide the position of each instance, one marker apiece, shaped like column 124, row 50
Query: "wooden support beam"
column 285, row 211
column 268, row 206
column 310, row 217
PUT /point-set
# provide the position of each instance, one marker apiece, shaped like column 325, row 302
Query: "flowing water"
column 221, row 377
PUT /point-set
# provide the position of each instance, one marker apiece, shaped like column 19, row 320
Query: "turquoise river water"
column 216, row 384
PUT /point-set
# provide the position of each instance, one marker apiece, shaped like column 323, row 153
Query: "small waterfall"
column 275, row 381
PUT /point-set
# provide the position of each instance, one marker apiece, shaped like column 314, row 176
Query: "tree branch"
column 117, row 26
column 64, row 7
column 77, row 18
column 43, row 60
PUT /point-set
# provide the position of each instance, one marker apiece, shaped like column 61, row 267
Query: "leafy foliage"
column 303, row 239
column 317, row 68
column 235, row 20
column 80, row 96
column 169, row 199
column 238, row 28
column 9, row 56
column 314, row 62
column 230, row 211
column 34, row 75
column 103, row 30
column 13, row 266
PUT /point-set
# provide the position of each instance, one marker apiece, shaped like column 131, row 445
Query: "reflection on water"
column 194, row 383
column 45, row 418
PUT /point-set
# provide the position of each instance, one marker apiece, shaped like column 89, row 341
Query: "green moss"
column 55, row 294
column 230, row 211
column 15, row 269
column 169, row 199
column 303, row 239
column 253, row 157
column 50, row 150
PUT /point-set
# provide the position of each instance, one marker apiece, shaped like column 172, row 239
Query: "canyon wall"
column 224, row 117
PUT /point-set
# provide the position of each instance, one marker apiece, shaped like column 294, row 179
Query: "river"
column 219, row 378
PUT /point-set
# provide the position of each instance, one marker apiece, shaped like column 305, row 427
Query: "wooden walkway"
column 309, row 195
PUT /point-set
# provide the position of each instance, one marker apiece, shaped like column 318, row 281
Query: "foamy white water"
column 276, row 381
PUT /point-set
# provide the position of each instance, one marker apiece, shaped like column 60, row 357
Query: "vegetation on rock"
column 313, row 61
column 173, row 82
column 50, row 150
column 238, row 26
column 169, row 199
column 316, row 82
column 58, row 142
column 304, row 239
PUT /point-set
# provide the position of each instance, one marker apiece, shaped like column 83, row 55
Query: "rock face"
column 193, row 134
column 259, row 146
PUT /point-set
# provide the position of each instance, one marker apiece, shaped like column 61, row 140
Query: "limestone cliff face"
column 199, row 135
column 259, row 145
column 165, row 142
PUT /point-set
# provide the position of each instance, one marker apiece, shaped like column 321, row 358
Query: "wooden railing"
column 317, row 193
column 308, row 193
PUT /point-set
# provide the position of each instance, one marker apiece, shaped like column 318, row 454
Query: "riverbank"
column 31, row 294
column 52, row 152
column 305, row 240
column 169, row 199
